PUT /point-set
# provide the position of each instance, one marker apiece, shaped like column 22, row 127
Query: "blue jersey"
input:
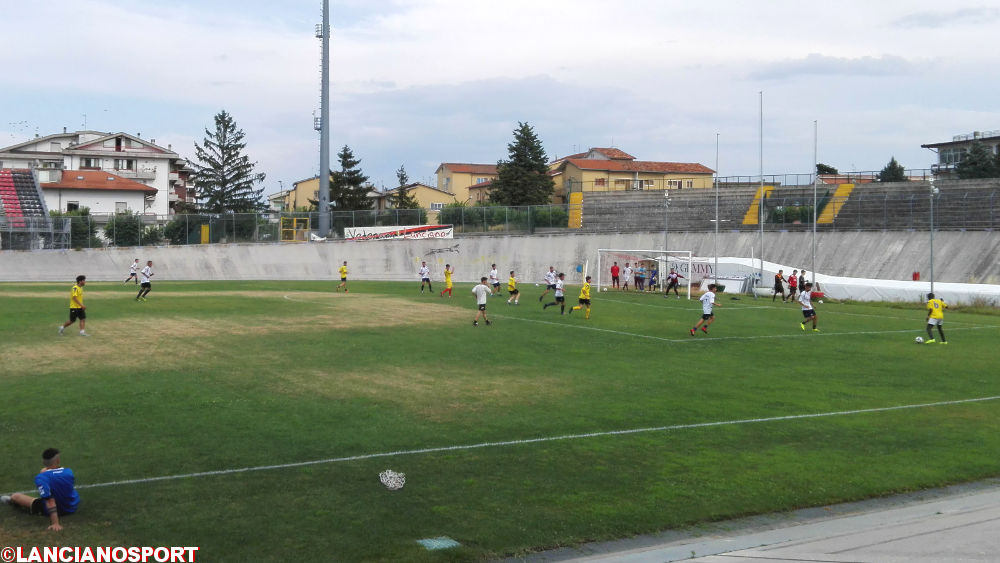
column 58, row 484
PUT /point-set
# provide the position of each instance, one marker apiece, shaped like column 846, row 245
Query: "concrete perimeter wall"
column 962, row 257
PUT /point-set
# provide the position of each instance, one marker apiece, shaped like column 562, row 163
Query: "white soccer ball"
column 604, row 289
column 919, row 340
column 821, row 301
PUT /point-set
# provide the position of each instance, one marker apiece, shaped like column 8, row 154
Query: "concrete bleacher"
column 20, row 196
column 959, row 204
column 691, row 209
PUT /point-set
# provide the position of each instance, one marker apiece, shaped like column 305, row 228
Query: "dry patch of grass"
column 443, row 396
column 178, row 341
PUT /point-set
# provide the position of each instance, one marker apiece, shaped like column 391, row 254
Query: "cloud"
column 816, row 64
column 936, row 20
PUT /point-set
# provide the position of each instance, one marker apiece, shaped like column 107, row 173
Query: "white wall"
column 99, row 201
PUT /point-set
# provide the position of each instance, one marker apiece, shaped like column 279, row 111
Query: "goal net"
column 656, row 264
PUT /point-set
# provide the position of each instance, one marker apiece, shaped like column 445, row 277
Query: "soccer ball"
column 821, row 301
column 604, row 289
column 919, row 340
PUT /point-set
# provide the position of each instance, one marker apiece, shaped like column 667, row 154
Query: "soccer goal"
column 659, row 260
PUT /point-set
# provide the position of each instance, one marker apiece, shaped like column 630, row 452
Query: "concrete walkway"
column 953, row 524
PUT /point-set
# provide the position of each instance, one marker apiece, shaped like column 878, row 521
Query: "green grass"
column 213, row 376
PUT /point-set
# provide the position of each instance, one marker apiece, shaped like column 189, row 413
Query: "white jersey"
column 482, row 292
column 494, row 278
column 147, row 273
column 707, row 302
column 559, row 288
column 627, row 272
column 550, row 278
column 806, row 299
column 425, row 272
column 133, row 268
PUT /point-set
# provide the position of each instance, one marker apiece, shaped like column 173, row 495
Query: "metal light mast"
column 323, row 199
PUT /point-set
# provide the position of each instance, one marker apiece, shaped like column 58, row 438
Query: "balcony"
column 138, row 174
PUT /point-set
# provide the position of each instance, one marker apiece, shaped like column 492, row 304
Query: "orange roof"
column 614, row 154
column 96, row 180
column 470, row 168
column 641, row 166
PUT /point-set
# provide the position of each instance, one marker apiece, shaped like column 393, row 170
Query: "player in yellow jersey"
column 584, row 298
column 343, row 277
column 935, row 317
column 76, row 308
column 448, row 271
column 515, row 294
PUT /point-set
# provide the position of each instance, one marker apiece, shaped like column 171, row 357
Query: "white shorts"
column 937, row 322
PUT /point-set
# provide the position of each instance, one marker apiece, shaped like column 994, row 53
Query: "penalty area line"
column 506, row 443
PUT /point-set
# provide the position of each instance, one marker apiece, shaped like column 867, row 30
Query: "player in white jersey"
column 626, row 276
column 560, row 296
column 145, row 284
column 805, row 298
column 482, row 293
column 707, row 305
column 425, row 277
column 133, row 272
column 550, row 282
column 495, row 279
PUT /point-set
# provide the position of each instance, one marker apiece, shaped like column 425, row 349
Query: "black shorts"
column 808, row 313
column 560, row 298
column 551, row 286
column 584, row 301
column 145, row 285
column 706, row 316
column 779, row 289
column 38, row 508
column 496, row 285
column 75, row 314
column 343, row 279
column 792, row 288
column 614, row 278
column 482, row 307
column 428, row 280
column 671, row 284
column 132, row 275
column 514, row 291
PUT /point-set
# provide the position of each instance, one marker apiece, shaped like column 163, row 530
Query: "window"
column 90, row 162
column 643, row 184
column 121, row 207
column 688, row 183
column 124, row 164
column 482, row 180
column 72, row 206
column 55, row 147
column 674, row 184
column 622, row 183
column 601, row 182
column 952, row 156
column 437, row 206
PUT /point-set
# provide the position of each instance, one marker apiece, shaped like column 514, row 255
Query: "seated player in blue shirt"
column 57, row 495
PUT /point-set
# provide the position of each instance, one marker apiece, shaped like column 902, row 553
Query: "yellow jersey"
column 511, row 284
column 585, row 291
column 76, row 297
column 936, row 308
column 343, row 271
column 447, row 278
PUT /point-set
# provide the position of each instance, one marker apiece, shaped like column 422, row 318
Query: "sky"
column 415, row 83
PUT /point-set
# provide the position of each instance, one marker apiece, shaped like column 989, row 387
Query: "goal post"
column 663, row 260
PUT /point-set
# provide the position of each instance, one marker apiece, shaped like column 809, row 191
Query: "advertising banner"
column 387, row 233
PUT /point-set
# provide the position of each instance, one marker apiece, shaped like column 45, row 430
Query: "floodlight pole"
column 760, row 200
column 323, row 197
column 933, row 192
column 715, row 178
column 666, row 222
column 815, row 180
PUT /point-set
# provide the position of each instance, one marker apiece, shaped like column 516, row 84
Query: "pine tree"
column 825, row 169
column 348, row 186
column 978, row 162
column 402, row 198
column 524, row 178
column 224, row 177
column 893, row 172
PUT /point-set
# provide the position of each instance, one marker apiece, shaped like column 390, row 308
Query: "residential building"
column 611, row 169
column 101, row 192
column 457, row 178
column 302, row 194
column 427, row 197
column 58, row 158
column 950, row 153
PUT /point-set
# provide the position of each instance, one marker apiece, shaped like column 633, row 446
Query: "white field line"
column 565, row 437
column 806, row 334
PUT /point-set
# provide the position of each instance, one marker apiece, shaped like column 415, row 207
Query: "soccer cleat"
column 815, row 330
column 5, row 499
column 692, row 332
column 944, row 342
column 83, row 333
column 704, row 329
column 931, row 341
column 546, row 306
column 540, row 298
column 61, row 330
column 143, row 299
column 488, row 323
column 802, row 326
column 475, row 323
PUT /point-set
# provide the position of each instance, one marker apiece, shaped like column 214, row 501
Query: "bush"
column 82, row 230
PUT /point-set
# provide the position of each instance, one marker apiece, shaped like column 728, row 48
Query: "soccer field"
column 252, row 419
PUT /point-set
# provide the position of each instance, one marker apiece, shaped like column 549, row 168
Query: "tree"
column 224, row 177
column 524, row 178
column 825, row 169
column 402, row 198
column 893, row 172
column 128, row 229
column 978, row 162
column 348, row 188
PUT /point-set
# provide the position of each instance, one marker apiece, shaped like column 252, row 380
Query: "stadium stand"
column 22, row 207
